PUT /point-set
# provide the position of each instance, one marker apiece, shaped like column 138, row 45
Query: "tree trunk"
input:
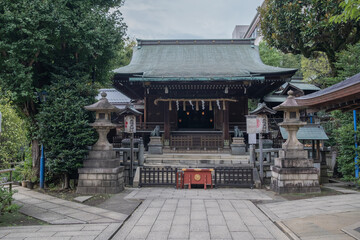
column 66, row 181
column 35, row 153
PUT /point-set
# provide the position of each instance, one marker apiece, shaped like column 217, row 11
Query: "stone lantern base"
column 293, row 172
column 102, row 173
column 238, row 146
column 155, row 145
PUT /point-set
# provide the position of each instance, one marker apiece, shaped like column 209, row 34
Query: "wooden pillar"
column 226, row 134
column 145, row 111
column 166, row 123
column 318, row 149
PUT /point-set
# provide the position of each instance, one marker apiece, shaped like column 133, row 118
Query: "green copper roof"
column 165, row 59
column 308, row 132
column 275, row 98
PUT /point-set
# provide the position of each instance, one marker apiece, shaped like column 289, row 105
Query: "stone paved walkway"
column 198, row 214
column 58, row 211
column 57, row 232
column 222, row 193
column 317, row 218
column 70, row 220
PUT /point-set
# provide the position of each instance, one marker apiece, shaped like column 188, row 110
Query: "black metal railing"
column 234, row 177
column 151, row 176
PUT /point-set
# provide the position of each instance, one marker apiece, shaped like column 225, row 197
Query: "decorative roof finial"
column 103, row 94
column 291, row 93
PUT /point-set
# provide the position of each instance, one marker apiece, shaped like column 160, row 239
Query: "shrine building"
column 197, row 90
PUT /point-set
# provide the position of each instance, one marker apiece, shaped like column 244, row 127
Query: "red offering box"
column 197, row 176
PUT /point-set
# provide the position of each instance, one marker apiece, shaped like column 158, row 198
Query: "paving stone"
column 216, row 220
column 242, row 235
column 166, row 215
column 183, row 211
column 260, row 232
column 198, row 215
column 181, row 220
column 30, row 234
column 151, row 212
column 236, row 226
column 108, row 232
column 77, row 233
column 199, row 235
column 84, row 216
column 251, row 221
column 146, row 220
column 220, row 232
column 161, row 226
column 114, row 215
column 179, row 231
column 199, row 226
column 169, row 207
column 214, row 212
column 139, row 232
column 158, row 236
column 48, row 238
column 82, row 198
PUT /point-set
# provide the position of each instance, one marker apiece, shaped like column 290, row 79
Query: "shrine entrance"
column 202, row 119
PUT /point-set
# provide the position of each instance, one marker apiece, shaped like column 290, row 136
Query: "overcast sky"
column 181, row 19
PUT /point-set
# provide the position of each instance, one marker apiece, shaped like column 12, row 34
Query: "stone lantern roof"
column 130, row 109
column 289, row 104
column 102, row 105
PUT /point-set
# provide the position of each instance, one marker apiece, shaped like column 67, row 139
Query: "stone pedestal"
column 155, row 145
column 293, row 172
column 101, row 173
column 238, row 146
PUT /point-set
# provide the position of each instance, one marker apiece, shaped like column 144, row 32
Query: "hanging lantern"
column 170, row 107
column 224, row 105
column 184, row 106
column 197, row 106
column 210, row 106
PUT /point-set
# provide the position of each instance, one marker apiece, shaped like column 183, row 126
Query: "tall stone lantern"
column 102, row 172
column 102, row 123
column 293, row 171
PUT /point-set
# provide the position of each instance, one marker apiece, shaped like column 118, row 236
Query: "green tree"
column 304, row 27
column 273, row 57
column 351, row 11
column 63, row 123
column 13, row 134
column 348, row 64
column 38, row 36
column 316, row 70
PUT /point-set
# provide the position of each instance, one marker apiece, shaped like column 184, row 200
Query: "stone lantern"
column 102, row 172
column 102, row 123
column 291, row 122
column 293, row 172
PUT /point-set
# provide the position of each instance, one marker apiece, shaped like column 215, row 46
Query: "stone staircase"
column 196, row 160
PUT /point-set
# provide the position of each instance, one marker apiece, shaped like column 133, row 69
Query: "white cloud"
column 166, row 19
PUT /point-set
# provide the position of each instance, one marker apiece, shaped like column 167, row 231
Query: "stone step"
column 195, row 156
column 191, row 161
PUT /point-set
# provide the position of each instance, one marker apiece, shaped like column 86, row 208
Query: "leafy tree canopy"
column 37, row 35
column 273, row 57
column 317, row 70
column 13, row 136
column 44, row 42
column 351, row 11
column 304, row 27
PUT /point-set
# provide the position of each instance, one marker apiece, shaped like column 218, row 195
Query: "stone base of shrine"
column 294, row 180
column 102, row 173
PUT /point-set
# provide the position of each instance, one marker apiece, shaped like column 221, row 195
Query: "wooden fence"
column 151, row 176
column 234, row 177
